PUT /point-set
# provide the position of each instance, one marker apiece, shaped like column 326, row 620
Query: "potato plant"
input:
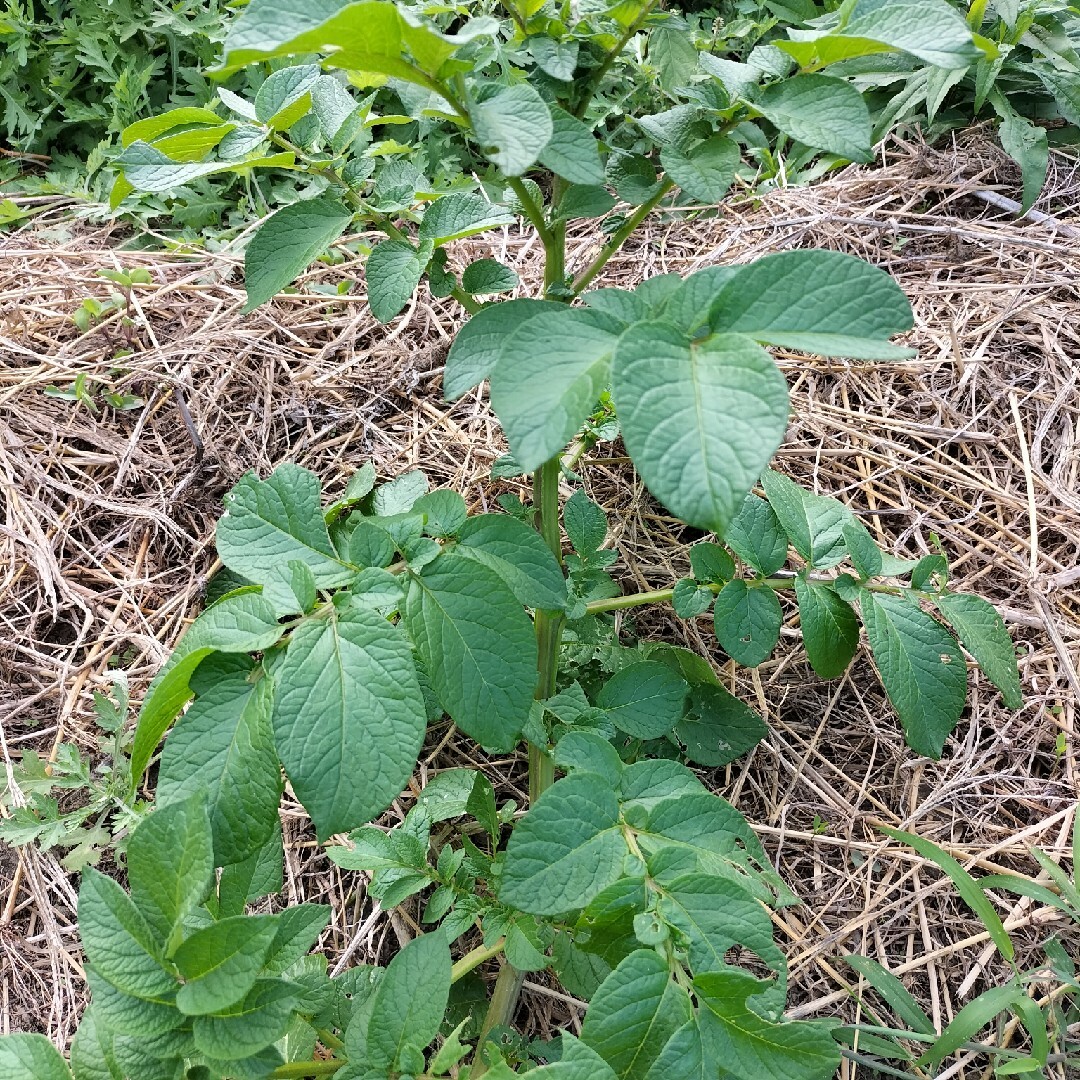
column 347, row 627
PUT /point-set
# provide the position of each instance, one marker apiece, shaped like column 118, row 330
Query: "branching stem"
column 472, row 960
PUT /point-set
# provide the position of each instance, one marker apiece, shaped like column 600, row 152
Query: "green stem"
column 619, row 238
column 302, row 1070
column 469, row 303
column 500, row 1011
column 472, row 960
column 536, row 219
column 330, row 1040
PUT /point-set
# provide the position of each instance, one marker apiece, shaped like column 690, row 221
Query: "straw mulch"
column 107, row 541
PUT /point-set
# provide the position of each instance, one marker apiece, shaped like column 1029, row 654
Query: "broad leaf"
column 119, row 942
column 821, row 302
column 91, row 1052
column 519, row 555
column 585, row 524
column 548, row 379
column 287, row 243
column 634, row 1013
column 221, row 962
column 823, row 112
column 269, row 522
column 225, row 748
column 700, row 420
column 578, row 1062
column 983, row 634
column 705, row 172
column 572, row 151
column 565, row 850
column 711, row 563
column 393, row 270
column 477, row 646
column 148, row 168
column 512, row 127
column 31, row 1057
column 285, row 95
column 830, row 629
column 755, row 535
column 813, row 523
column 410, row 1000
column 349, row 716
column 461, row 214
column 863, row 552
column 688, row 304
column 719, row 727
column 479, row 342
column 243, row 1029
column 747, row 621
column 748, row 1046
column 646, row 699
column 122, row 1013
column 170, row 862
column 921, row 668
column 260, row 875
column 488, row 276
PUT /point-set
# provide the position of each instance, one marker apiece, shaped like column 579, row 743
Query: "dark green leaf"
column 830, row 629
column 585, row 523
column 393, row 270
column 488, row 276
column 572, row 152
column 747, row 622
column 711, row 563
column 705, row 173
column 755, row 535
column 814, row 523
column 519, row 555
column 983, row 634
column 689, row 599
column 823, row 112
column 646, row 699
column 719, row 727
column 220, row 963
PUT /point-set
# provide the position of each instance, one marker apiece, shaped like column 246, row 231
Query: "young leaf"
column 894, row 992
column 718, row 727
column 634, row 1013
column 288, row 241
column 410, row 1000
column 348, row 717
column 705, row 173
column 488, row 276
column 646, row 699
column 477, row 646
column 512, row 126
column 298, row 928
column 748, row 1046
column 243, row 1029
column 518, row 555
column 585, row 524
column 700, row 420
column 565, row 850
column 572, row 151
column 31, row 1057
column 983, row 634
column 711, row 563
column 821, row 302
column 270, row 522
column 747, row 622
column 118, row 941
column 921, row 668
column 170, row 862
column 393, row 270
column 548, row 379
column 830, row 629
column 689, row 599
column 755, row 535
column 476, row 348
column 814, row 523
column 244, row 622
column 825, row 113
column 225, row 749
column 453, row 217
column 221, row 962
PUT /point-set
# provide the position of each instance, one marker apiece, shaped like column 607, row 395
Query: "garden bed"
column 107, row 523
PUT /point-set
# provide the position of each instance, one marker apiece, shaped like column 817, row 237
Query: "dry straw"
column 107, row 541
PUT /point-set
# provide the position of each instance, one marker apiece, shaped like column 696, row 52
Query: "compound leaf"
column 700, row 420
column 349, row 716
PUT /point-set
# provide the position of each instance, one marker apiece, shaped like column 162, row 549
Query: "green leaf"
column 894, row 992
column 555, row 58
column 221, row 962
column 453, row 217
column 477, row 646
column 929, row 29
column 170, row 863
column 578, row 1062
column 260, row 875
column 512, row 126
column 519, row 555
column 719, row 727
column 285, row 96
column 393, row 270
column 634, row 1013
column 1026, row 143
column 334, row 106
column 747, row 622
column 91, row 1053
column 585, row 524
column 244, row 622
column 565, row 850
column 119, row 942
column 409, row 1002
column 711, row 563
column 288, row 242
column 475, row 351
column 646, row 699
column 269, row 522
column 825, row 113
column 585, row 751
column 243, row 1029
column 864, row 554
column 585, row 201
column 755, row 535
column 821, row 302
column 921, row 668
column 689, row 599
column 400, row 495
column 633, row 177
column 974, row 1016
column 813, row 523
column 224, row 747
column 31, row 1057
column 349, row 716
column 572, row 151
column 700, row 420
column 149, row 129
column 830, row 629
column 298, row 929
column 488, row 276
column 716, row 915
column 147, row 168
column 548, row 379
column 747, row 1045
column 983, row 634
column 705, row 173
column 122, row 1013
column 291, row 588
